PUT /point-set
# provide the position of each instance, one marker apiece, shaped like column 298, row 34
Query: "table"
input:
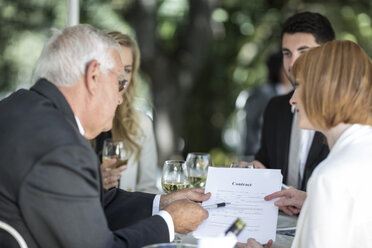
column 282, row 241
column 284, row 222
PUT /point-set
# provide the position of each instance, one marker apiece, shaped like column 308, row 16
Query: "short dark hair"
column 311, row 23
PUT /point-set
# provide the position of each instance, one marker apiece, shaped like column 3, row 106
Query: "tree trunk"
column 172, row 73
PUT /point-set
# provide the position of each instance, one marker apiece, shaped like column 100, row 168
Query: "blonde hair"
column 126, row 126
column 336, row 79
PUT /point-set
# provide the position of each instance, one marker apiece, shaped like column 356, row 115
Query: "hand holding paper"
column 291, row 200
column 245, row 190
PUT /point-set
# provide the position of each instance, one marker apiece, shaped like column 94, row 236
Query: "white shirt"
column 298, row 153
column 156, row 203
column 337, row 211
column 307, row 137
column 141, row 175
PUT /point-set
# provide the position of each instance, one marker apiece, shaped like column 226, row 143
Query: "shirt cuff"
column 156, row 205
column 165, row 215
column 168, row 219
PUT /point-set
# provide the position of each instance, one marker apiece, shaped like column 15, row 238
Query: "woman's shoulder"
column 144, row 119
column 146, row 124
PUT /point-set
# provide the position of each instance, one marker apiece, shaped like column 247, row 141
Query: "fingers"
column 197, row 195
column 110, row 182
column 110, row 179
column 186, row 215
column 269, row 244
column 194, row 194
column 252, row 243
column 108, row 172
column 286, row 210
column 290, row 201
column 293, row 199
column 108, row 164
column 197, row 190
column 258, row 165
column 284, row 202
column 110, row 176
column 294, row 210
column 275, row 195
column 241, row 245
column 244, row 164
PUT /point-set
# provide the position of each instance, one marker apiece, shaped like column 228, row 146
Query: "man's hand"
column 187, row 215
column 195, row 194
column 258, row 165
column 252, row 243
column 110, row 176
column 291, row 200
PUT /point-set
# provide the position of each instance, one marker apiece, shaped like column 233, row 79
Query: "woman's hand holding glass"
column 114, row 162
column 111, row 177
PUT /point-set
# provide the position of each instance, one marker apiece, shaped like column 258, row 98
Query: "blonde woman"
column 334, row 96
column 134, row 128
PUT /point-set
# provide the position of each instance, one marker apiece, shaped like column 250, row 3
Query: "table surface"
column 282, row 241
column 284, row 221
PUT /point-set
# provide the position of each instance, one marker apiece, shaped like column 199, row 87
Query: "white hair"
column 68, row 52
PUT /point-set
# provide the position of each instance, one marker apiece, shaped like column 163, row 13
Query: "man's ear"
column 92, row 76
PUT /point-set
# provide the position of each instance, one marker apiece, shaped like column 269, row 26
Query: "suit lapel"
column 285, row 129
column 318, row 151
column 316, row 148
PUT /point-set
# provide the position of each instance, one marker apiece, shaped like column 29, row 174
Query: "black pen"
column 217, row 205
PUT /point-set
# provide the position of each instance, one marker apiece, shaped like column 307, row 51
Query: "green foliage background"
column 244, row 33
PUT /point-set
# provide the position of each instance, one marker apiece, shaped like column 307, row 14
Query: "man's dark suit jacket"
column 275, row 138
column 50, row 182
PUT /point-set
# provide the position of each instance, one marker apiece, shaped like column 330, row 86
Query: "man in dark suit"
column 50, row 182
column 300, row 33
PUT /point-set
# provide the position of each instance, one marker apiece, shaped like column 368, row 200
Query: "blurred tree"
column 174, row 45
column 197, row 55
column 24, row 26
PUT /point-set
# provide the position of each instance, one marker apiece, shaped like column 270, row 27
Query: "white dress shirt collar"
column 81, row 129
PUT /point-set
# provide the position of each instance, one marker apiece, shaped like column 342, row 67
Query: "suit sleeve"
column 121, row 207
column 60, row 203
column 262, row 154
column 254, row 108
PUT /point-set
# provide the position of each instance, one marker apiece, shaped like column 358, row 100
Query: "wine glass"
column 175, row 176
column 114, row 150
column 244, row 162
column 242, row 165
column 198, row 164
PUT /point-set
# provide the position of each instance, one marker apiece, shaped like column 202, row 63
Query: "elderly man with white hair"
column 50, row 182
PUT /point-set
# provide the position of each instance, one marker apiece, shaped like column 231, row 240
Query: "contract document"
column 245, row 189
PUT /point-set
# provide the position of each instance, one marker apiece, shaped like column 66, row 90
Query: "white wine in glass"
column 169, row 187
column 198, row 181
column 114, row 150
column 119, row 162
column 175, row 176
column 198, row 164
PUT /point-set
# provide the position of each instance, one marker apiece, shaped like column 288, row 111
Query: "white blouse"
column 338, row 209
column 142, row 175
